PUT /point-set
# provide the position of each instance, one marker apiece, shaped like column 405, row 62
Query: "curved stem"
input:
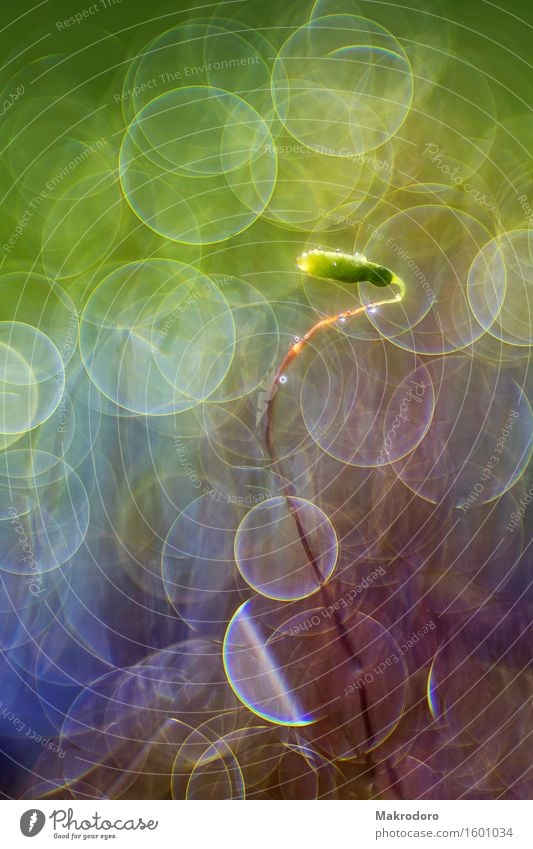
column 343, row 633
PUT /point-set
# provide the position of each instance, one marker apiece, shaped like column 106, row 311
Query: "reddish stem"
column 344, row 638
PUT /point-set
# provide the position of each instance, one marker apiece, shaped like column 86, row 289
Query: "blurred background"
column 164, row 632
